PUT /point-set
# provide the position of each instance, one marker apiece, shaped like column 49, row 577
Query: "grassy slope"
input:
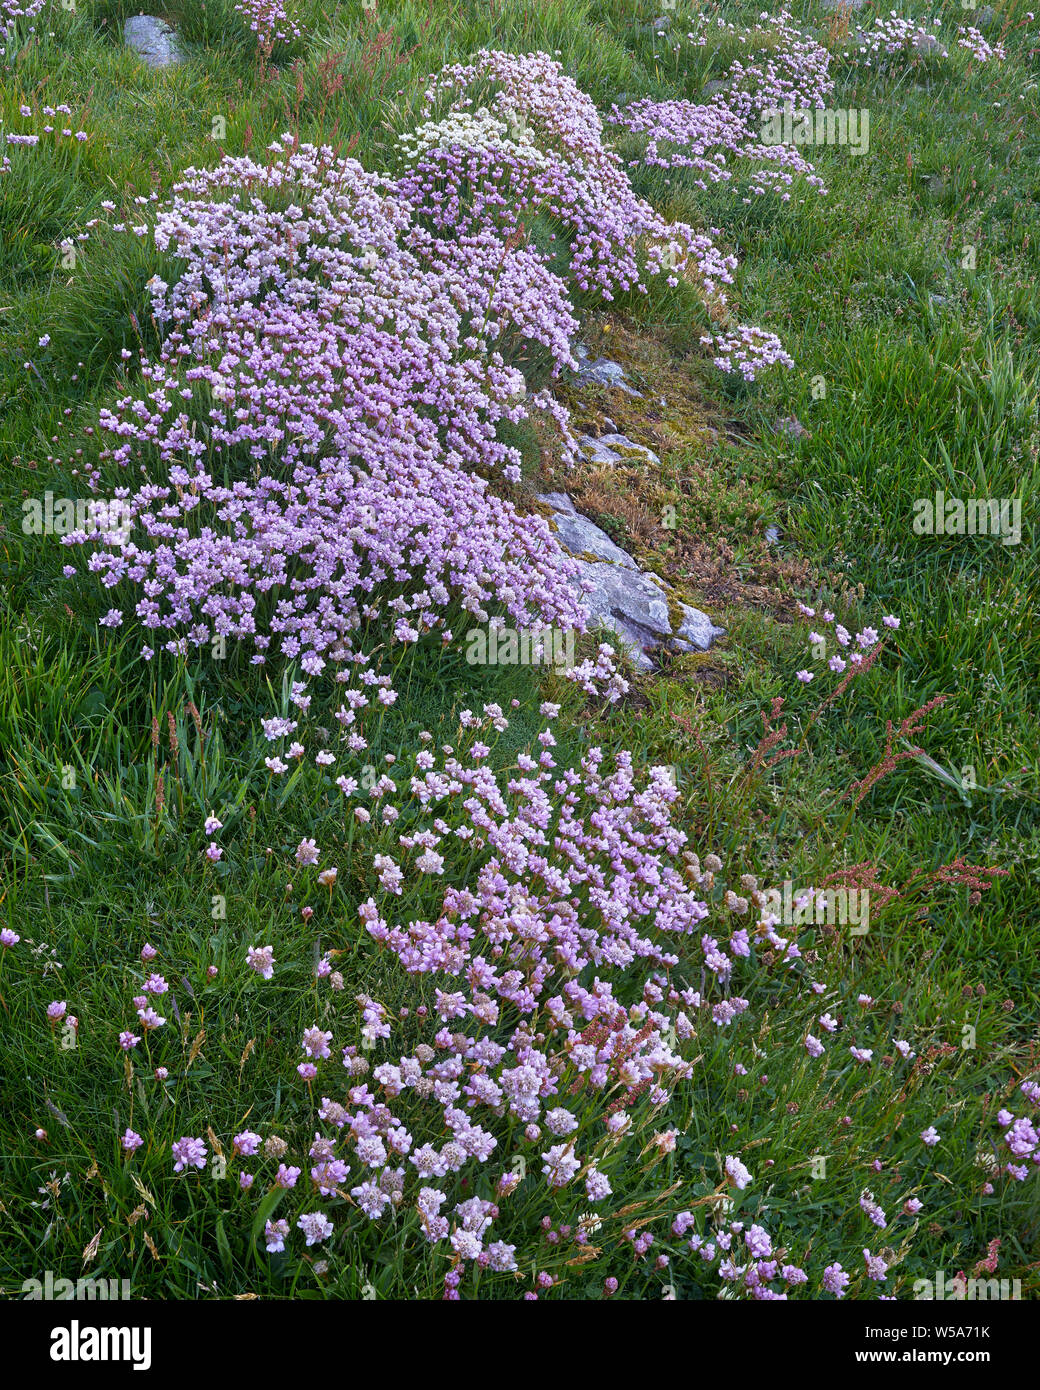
column 920, row 394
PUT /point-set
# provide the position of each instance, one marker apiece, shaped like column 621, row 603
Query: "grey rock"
column 607, row 449
column 593, row 451
column 927, row 45
column 620, row 596
column 697, row 631
column 618, row 442
column 580, row 536
column 602, row 371
column 154, row 40
column 635, row 608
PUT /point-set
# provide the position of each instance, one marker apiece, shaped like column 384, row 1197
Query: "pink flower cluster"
column 325, row 409
column 537, row 148
column 719, row 142
column 892, row 35
column 972, row 40
column 1021, row 1137
column 747, row 350
column 326, row 406
column 27, row 138
column 710, row 140
column 783, row 67
column 11, row 11
column 543, row 906
column 270, row 21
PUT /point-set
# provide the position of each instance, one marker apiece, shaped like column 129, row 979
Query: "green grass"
column 930, row 373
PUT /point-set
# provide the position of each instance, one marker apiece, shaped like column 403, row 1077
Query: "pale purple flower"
column 316, row 1042
column 246, row 1143
column 736, row 1172
column 261, row 959
column 560, row 1165
column 835, row 1280
column 274, row 1235
column 187, row 1153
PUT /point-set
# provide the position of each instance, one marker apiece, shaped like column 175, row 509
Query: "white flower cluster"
column 478, row 130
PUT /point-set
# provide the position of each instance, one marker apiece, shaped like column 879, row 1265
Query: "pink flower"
column 315, row 1226
column 738, row 1175
column 246, row 1143
column 315, row 1042
column 261, row 959
column 274, row 1236
column 560, row 1165
column 835, row 1280
column 187, row 1153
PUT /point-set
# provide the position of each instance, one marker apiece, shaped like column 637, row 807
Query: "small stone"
column 927, row 45
column 619, row 442
column 697, row 631
column 620, row 595
column 594, row 451
column 580, row 536
column 154, row 40
column 602, row 371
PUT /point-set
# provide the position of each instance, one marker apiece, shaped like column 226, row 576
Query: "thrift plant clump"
column 540, row 1031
